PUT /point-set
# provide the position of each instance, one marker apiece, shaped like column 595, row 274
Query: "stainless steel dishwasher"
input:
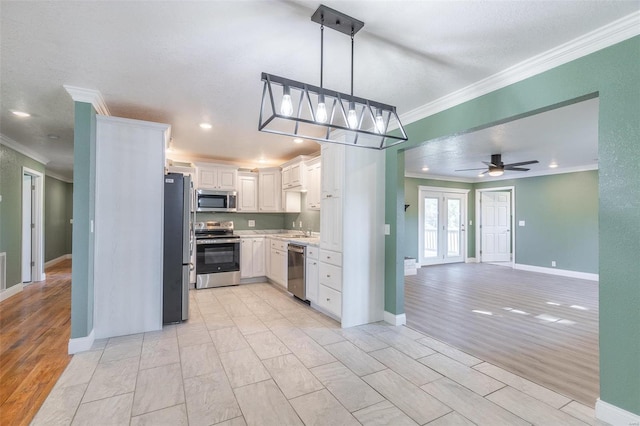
column 295, row 271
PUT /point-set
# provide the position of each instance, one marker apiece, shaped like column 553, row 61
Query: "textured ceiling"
column 183, row 63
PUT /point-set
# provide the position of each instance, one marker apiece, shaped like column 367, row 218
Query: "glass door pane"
column 431, row 216
column 453, row 227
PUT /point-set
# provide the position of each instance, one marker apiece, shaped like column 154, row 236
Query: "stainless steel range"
column 217, row 255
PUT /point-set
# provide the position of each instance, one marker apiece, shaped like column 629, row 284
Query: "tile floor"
column 251, row 355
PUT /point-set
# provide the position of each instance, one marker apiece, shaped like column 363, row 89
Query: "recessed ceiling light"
column 21, row 114
column 298, row 140
column 262, row 161
column 53, row 137
column 553, row 165
column 481, row 175
column 206, row 126
column 425, row 168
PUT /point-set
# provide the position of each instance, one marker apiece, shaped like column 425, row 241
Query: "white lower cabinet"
column 330, row 282
column 278, row 262
column 330, row 300
column 252, row 257
column 311, row 274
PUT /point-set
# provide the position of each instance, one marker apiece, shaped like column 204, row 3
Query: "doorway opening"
column 442, row 219
column 495, row 239
column 32, row 267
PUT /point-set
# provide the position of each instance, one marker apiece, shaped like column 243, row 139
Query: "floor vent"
column 3, row 271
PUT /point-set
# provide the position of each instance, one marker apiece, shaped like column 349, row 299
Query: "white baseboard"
column 395, row 319
column 11, row 291
column 81, row 344
column 57, row 260
column 471, row 260
column 555, row 271
column 615, row 416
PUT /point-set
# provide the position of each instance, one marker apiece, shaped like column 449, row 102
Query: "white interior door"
column 27, row 228
column 442, row 230
column 496, row 226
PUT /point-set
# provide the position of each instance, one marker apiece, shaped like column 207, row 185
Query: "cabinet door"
column 207, row 178
column 270, row 191
column 333, row 170
column 312, row 280
column 331, row 224
column 295, row 175
column 258, row 257
column 247, row 192
column 246, row 258
column 227, row 179
column 286, row 177
column 313, row 186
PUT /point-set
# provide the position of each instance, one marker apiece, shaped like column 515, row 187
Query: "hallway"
column 34, row 334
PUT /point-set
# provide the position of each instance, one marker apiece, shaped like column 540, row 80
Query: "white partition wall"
column 128, row 226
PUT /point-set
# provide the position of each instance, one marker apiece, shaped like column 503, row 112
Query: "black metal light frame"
column 374, row 119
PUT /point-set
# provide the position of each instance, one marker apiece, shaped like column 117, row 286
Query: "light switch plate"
column 387, row 229
column 251, row 223
column 521, row 223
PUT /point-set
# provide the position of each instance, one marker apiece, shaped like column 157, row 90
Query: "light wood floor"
column 541, row 327
column 34, row 333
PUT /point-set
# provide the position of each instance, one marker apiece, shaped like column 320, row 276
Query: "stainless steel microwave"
column 215, row 201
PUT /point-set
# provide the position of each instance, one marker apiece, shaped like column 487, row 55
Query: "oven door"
column 217, row 255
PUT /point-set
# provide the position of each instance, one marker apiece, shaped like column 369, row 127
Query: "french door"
column 442, row 227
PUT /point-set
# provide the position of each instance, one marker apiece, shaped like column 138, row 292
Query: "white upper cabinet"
column 332, row 170
column 217, row 177
column 269, row 190
column 314, row 175
column 294, row 174
column 247, row 192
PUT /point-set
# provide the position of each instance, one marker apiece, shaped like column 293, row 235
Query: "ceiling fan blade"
column 517, row 169
column 523, row 163
column 466, row 170
column 490, row 164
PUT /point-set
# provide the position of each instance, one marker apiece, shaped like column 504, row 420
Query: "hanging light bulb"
column 379, row 121
column 321, row 114
column 286, row 107
column 352, row 117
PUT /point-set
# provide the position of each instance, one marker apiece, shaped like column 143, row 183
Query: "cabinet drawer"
column 330, row 300
column 277, row 244
column 331, row 276
column 312, row 252
column 332, row 257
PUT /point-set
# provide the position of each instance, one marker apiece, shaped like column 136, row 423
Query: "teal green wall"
column 84, row 140
column 240, row 220
column 11, row 164
column 560, row 213
column 310, row 218
column 56, row 218
column 561, row 220
column 411, row 214
column 614, row 75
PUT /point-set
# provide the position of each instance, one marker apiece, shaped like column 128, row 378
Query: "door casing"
column 37, row 245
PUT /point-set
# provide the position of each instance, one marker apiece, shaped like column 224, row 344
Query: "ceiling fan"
column 496, row 167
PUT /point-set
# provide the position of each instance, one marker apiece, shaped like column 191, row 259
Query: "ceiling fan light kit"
column 293, row 108
column 497, row 168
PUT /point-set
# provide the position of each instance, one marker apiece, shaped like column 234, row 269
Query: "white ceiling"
column 184, row 63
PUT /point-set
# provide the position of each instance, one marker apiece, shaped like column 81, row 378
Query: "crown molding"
column 608, row 35
column 505, row 176
column 57, row 176
column 16, row 146
column 439, row 177
column 90, row 96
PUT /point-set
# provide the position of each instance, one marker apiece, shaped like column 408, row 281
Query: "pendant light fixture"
column 316, row 113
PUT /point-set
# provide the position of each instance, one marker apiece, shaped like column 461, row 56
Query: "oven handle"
column 220, row 241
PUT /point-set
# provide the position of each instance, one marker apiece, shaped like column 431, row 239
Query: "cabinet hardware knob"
column 328, row 299
column 328, row 276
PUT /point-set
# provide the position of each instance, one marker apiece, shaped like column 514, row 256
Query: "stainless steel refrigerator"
column 177, row 248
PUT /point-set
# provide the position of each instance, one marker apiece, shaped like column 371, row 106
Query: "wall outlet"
column 387, row 229
column 553, row 263
column 251, row 223
column 71, row 221
column 293, row 224
column 470, row 223
column 300, row 224
column 521, row 223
